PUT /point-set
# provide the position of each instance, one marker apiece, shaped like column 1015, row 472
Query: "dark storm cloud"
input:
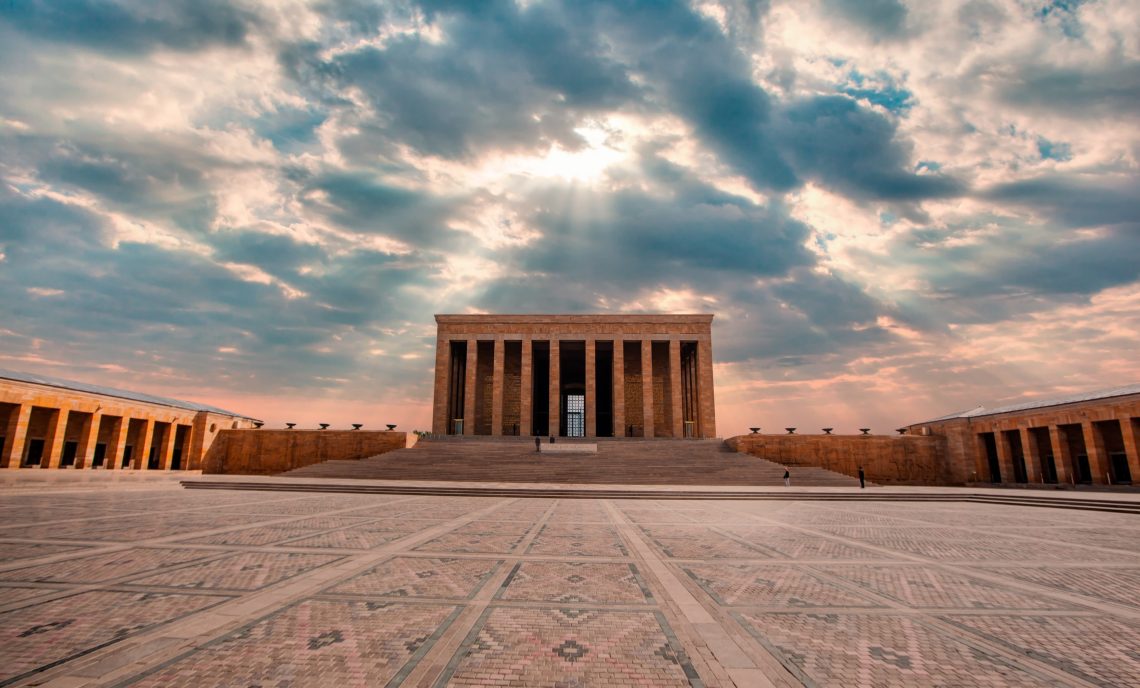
column 505, row 77
column 1075, row 201
column 880, row 18
column 133, row 26
column 361, row 203
column 1082, row 92
column 508, row 78
column 855, row 151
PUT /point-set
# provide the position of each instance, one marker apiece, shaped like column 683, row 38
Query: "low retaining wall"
column 267, row 452
column 887, row 460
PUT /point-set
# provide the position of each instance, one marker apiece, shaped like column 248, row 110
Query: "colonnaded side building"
column 574, row 375
column 49, row 422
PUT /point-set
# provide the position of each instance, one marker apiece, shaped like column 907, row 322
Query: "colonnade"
column 37, row 436
column 1097, row 449
column 659, row 386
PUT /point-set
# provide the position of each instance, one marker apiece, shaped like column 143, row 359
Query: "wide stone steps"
column 617, row 462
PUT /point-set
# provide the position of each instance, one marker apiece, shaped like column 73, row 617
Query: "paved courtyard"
column 153, row 585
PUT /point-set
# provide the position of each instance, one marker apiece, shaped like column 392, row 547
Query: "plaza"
column 126, row 579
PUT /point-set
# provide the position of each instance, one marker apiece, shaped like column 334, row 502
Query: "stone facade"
column 51, row 423
column 268, row 452
column 632, row 375
column 1089, row 439
column 885, row 459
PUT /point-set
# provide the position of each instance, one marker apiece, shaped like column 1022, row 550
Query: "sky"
column 895, row 209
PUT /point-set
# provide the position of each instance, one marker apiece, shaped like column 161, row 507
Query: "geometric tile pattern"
column 491, row 543
column 242, row 571
column 771, row 585
column 314, row 643
column 575, row 582
column 42, row 634
column 923, row 587
column 1102, row 650
column 603, row 545
column 851, row 649
column 420, row 577
column 1117, row 585
column 98, row 568
column 559, row 592
column 568, row 647
column 11, row 551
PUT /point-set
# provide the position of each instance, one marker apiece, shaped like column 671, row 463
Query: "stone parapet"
column 268, row 452
column 886, row 459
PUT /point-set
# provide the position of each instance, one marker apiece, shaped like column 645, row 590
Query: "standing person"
column 787, row 478
column 862, row 481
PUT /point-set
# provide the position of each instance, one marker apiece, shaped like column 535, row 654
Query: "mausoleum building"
column 574, row 375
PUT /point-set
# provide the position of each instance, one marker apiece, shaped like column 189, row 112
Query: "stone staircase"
column 617, row 462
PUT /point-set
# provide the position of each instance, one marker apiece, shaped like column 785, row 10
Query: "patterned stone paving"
column 1104, row 651
column 40, row 635
column 98, row 568
column 315, row 643
column 924, row 587
column 12, row 551
column 161, row 586
column 771, row 586
column 878, row 650
column 575, row 582
column 569, row 647
column 1117, row 585
column 420, row 577
column 244, row 571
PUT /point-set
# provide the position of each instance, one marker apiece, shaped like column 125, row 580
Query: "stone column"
column 591, row 388
column 1094, row 447
column 85, row 453
column 117, row 445
column 981, row 460
column 1005, row 461
column 705, row 401
column 526, row 388
column 1131, row 447
column 439, row 419
column 15, row 436
column 53, row 442
column 1061, row 458
column 1031, row 455
column 166, row 449
column 555, row 407
column 675, row 388
column 647, row 386
column 469, row 388
column 619, row 387
column 498, row 360
column 141, row 457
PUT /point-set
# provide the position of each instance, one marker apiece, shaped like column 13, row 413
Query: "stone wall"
column 267, row 452
column 887, row 460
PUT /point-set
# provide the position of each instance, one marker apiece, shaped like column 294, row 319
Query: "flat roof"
column 1042, row 403
column 574, row 318
column 49, row 381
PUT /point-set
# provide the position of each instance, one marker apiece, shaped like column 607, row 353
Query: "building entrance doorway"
column 575, row 415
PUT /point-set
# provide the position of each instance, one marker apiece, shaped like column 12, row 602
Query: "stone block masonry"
column 268, row 452
column 897, row 460
column 574, row 375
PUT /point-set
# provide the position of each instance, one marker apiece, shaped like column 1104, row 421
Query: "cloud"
column 884, row 203
column 130, row 26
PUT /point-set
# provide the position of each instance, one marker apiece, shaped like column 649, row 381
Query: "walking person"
column 787, row 478
column 862, row 480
